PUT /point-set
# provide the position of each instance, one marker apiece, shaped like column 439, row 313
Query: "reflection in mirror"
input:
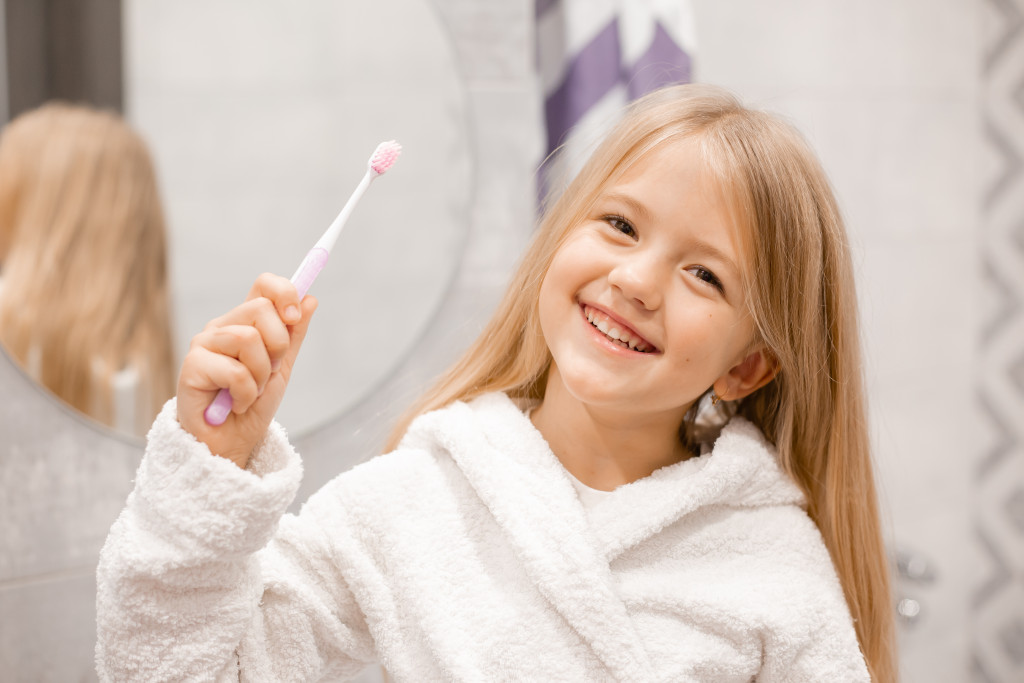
column 262, row 118
column 83, row 305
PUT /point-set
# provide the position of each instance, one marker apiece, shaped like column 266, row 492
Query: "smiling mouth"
column 615, row 332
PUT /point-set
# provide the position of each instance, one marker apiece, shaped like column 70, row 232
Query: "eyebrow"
column 634, row 205
column 699, row 246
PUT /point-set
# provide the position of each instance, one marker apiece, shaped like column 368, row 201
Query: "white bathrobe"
column 466, row 555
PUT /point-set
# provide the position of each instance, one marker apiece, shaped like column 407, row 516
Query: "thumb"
column 297, row 333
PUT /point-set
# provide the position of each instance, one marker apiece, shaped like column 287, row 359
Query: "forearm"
column 179, row 581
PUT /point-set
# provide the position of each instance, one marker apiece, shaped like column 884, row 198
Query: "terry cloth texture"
column 465, row 555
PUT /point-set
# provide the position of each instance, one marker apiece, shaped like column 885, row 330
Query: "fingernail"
column 292, row 312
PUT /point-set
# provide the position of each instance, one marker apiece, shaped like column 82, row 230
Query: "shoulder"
column 771, row 564
column 757, row 522
column 807, row 632
column 770, row 509
column 785, row 548
column 783, row 570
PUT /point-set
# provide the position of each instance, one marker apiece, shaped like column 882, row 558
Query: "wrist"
column 239, row 457
column 220, row 440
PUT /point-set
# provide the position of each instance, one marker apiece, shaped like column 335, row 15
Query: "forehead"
column 686, row 161
column 680, row 171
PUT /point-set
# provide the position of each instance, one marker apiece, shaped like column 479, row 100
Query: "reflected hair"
column 84, row 258
column 801, row 295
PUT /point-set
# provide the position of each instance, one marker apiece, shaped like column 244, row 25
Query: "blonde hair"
column 83, row 248
column 803, row 302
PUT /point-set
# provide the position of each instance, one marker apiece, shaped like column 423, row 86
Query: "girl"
column 84, row 305
column 554, row 508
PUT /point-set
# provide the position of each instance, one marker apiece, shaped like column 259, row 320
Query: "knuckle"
column 265, row 306
column 239, row 375
column 203, row 339
column 278, row 344
column 277, row 354
column 248, row 335
column 191, row 359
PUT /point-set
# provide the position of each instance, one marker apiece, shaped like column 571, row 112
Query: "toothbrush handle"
column 219, row 409
column 310, row 267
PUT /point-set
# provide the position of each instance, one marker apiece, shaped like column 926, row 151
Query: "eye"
column 705, row 275
column 622, row 225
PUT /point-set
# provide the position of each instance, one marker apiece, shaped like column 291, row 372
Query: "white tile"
column 493, row 40
column 878, row 46
column 918, row 313
column 48, row 632
column 919, row 336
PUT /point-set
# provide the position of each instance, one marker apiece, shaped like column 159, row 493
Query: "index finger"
column 281, row 292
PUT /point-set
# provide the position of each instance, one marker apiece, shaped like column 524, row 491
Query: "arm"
column 186, row 588
column 813, row 636
column 187, row 585
column 830, row 653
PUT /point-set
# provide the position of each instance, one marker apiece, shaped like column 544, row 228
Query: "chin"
column 593, row 391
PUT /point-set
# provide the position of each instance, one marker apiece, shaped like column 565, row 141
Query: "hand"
column 250, row 351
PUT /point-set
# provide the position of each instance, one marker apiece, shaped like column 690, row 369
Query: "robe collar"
column 567, row 553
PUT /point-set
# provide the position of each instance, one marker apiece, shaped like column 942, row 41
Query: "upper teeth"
column 602, row 323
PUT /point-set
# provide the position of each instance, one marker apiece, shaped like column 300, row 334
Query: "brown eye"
column 705, row 275
column 622, row 225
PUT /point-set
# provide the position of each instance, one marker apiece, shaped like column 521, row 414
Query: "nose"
column 638, row 278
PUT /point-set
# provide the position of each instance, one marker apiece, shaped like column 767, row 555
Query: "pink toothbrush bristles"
column 384, row 156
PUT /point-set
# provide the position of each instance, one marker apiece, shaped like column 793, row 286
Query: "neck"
column 606, row 446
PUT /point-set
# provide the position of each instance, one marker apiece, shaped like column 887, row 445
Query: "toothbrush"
column 383, row 159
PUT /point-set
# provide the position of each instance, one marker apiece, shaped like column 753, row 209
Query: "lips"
column 616, row 331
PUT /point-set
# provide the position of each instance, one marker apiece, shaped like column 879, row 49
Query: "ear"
column 753, row 372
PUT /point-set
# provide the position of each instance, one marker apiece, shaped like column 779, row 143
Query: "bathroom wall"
column 912, row 106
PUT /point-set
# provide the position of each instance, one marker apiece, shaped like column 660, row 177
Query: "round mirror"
column 261, row 118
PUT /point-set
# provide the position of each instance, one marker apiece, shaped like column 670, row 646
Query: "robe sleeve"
column 203, row 577
column 818, row 659
column 814, row 637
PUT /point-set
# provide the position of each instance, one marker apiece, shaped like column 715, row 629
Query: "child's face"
column 657, row 260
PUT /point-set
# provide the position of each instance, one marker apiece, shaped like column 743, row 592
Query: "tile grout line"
column 48, row 577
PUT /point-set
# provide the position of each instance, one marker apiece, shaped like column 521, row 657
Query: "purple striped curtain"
column 594, row 56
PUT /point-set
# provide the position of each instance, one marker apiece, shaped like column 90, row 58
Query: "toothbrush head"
column 384, row 157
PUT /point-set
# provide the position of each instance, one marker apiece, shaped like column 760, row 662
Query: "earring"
column 715, row 398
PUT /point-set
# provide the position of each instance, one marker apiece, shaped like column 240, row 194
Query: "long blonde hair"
column 803, row 303
column 83, row 250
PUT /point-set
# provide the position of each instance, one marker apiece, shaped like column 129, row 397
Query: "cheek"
column 707, row 336
column 563, row 276
column 550, row 300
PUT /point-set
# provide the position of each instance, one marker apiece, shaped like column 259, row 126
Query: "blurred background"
column 260, row 115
